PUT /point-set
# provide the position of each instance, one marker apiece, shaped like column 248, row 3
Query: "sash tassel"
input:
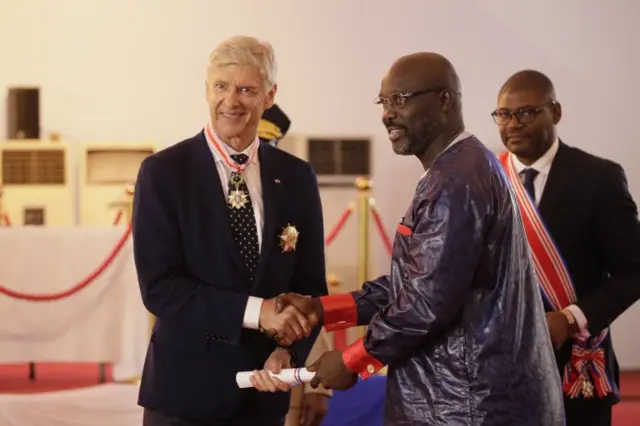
column 587, row 370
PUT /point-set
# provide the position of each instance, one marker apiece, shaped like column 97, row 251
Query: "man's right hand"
column 310, row 307
column 285, row 325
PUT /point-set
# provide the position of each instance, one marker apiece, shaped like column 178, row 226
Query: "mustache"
column 392, row 123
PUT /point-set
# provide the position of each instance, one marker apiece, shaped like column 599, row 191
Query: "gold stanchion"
column 334, row 283
column 364, row 186
column 1, row 209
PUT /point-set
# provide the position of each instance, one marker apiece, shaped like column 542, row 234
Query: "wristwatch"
column 292, row 355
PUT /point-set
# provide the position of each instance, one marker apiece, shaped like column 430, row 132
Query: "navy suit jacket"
column 193, row 279
column 593, row 220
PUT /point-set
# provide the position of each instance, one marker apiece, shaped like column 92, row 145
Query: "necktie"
column 243, row 223
column 528, row 175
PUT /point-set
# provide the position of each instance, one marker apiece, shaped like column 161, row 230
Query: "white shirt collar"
column 232, row 151
column 543, row 164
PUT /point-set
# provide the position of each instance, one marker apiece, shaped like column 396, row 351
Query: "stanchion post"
column 129, row 190
column 1, row 209
column 333, row 283
column 364, row 186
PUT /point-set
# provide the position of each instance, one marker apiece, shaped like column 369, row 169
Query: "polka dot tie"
column 243, row 222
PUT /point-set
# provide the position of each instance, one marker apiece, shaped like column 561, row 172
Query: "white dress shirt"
column 251, row 176
column 543, row 166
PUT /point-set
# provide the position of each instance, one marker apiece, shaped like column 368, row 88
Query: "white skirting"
column 104, row 405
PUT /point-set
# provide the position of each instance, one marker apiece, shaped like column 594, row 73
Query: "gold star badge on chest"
column 289, row 239
column 237, row 199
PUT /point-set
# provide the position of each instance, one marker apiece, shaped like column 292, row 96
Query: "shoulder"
column 296, row 170
column 465, row 169
column 585, row 159
column 173, row 158
column 287, row 160
column 598, row 168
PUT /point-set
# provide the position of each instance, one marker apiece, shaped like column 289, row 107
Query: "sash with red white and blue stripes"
column 586, row 369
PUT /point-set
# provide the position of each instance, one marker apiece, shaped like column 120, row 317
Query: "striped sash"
column 586, row 369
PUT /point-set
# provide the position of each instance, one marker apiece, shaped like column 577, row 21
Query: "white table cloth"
column 104, row 322
column 105, row 405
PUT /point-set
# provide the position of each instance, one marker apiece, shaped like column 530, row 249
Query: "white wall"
column 134, row 69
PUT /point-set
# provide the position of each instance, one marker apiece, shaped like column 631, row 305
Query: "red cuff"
column 358, row 360
column 339, row 311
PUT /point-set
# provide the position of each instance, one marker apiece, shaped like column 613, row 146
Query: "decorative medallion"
column 237, row 199
column 289, row 239
column 236, row 180
column 587, row 387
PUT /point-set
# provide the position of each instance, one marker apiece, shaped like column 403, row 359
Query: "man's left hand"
column 559, row 328
column 332, row 373
column 262, row 380
column 314, row 408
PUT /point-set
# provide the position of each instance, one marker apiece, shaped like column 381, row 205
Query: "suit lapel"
column 556, row 182
column 272, row 198
column 215, row 220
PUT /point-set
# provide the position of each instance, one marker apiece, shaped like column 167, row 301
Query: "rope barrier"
column 383, row 233
column 118, row 218
column 340, row 224
column 78, row 287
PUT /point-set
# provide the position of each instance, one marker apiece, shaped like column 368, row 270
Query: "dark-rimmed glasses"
column 526, row 115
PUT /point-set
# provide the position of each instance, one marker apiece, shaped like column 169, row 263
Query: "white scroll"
column 290, row 376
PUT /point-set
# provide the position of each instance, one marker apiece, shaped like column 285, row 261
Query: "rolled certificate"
column 290, row 376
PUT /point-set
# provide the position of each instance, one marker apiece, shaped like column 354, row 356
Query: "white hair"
column 245, row 50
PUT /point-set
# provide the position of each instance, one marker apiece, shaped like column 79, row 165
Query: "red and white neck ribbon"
column 217, row 145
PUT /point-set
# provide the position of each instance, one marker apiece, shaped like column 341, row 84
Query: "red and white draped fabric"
column 586, row 369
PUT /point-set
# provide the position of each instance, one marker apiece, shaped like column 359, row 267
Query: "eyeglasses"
column 398, row 99
column 502, row 117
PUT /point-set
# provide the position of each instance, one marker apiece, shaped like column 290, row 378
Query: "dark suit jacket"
column 593, row 220
column 193, row 280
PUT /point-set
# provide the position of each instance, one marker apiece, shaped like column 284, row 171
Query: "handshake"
column 290, row 317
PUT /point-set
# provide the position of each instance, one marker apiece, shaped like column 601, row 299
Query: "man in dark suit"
column 222, row 224
column 588, row 259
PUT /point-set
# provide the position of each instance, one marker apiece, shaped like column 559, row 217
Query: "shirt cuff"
column 251, row 318
column 581, row 319
column 340, row 311
column 358, row 360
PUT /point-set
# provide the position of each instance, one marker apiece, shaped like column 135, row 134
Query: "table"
column 105, row 322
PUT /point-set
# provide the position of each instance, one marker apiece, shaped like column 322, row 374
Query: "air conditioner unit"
column 36, row 183
column 105, row 171
column 337, row 161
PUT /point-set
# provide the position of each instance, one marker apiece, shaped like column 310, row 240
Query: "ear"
column 446, row 100
column 270, row 98
column 556, row 111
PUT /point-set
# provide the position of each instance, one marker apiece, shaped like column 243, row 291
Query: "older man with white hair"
column 222, row 224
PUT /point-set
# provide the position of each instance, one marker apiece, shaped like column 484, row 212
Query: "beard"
column 418, row 137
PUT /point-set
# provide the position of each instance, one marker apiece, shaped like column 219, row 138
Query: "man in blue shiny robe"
column 459, row 320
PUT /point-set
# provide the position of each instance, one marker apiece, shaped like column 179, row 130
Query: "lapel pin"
column 276, row 180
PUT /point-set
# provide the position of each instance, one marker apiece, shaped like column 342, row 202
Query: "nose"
column 514, row 122
column 231, row 98
column 388, row 114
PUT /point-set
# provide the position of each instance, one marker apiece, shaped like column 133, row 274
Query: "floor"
column 51, row 377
